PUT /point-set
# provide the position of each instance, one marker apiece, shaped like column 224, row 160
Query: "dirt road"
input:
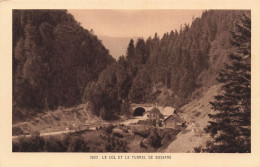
column 47, row 134
column 91, row 127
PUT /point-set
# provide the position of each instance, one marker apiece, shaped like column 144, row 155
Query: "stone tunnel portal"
column 139, row 111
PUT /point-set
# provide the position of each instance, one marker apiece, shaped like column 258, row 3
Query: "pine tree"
column 130, row 50
column 231, row 125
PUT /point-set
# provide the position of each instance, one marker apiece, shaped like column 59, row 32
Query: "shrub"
column 118, row 133
column 54, row 145
column 109, row 129
column 197, row 149
column 142, row 133
column 115, row 144
column 143, row 145
column 77, row 144
column 155, row 139
column 31, row 144
column 17, row 131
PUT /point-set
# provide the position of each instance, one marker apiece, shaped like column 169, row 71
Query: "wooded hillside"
column 182, row 62
column 53, row 60
column 56, row 62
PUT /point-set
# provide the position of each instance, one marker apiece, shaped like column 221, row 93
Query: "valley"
column 186, row 91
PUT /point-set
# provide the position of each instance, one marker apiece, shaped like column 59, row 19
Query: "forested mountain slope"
column 56, row 62
column 53, row 60
column 178, row 65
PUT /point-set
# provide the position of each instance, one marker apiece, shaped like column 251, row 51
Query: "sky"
column 133, row 23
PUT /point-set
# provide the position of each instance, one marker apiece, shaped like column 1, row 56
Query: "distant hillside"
column 116, row 45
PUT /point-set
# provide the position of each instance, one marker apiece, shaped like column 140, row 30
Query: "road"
column 134, row 120
column 90, row 127
column 47, row 134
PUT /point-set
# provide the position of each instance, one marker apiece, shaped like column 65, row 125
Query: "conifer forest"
column 185, row 90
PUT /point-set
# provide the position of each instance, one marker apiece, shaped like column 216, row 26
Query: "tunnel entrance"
column 139, row 111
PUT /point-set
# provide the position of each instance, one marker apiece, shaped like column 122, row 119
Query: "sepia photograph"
column 131, row 81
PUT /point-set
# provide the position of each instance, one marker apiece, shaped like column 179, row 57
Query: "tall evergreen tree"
column 231, row 125
column 130, row 50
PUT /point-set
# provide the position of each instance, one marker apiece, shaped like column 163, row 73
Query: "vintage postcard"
column 115, row 83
